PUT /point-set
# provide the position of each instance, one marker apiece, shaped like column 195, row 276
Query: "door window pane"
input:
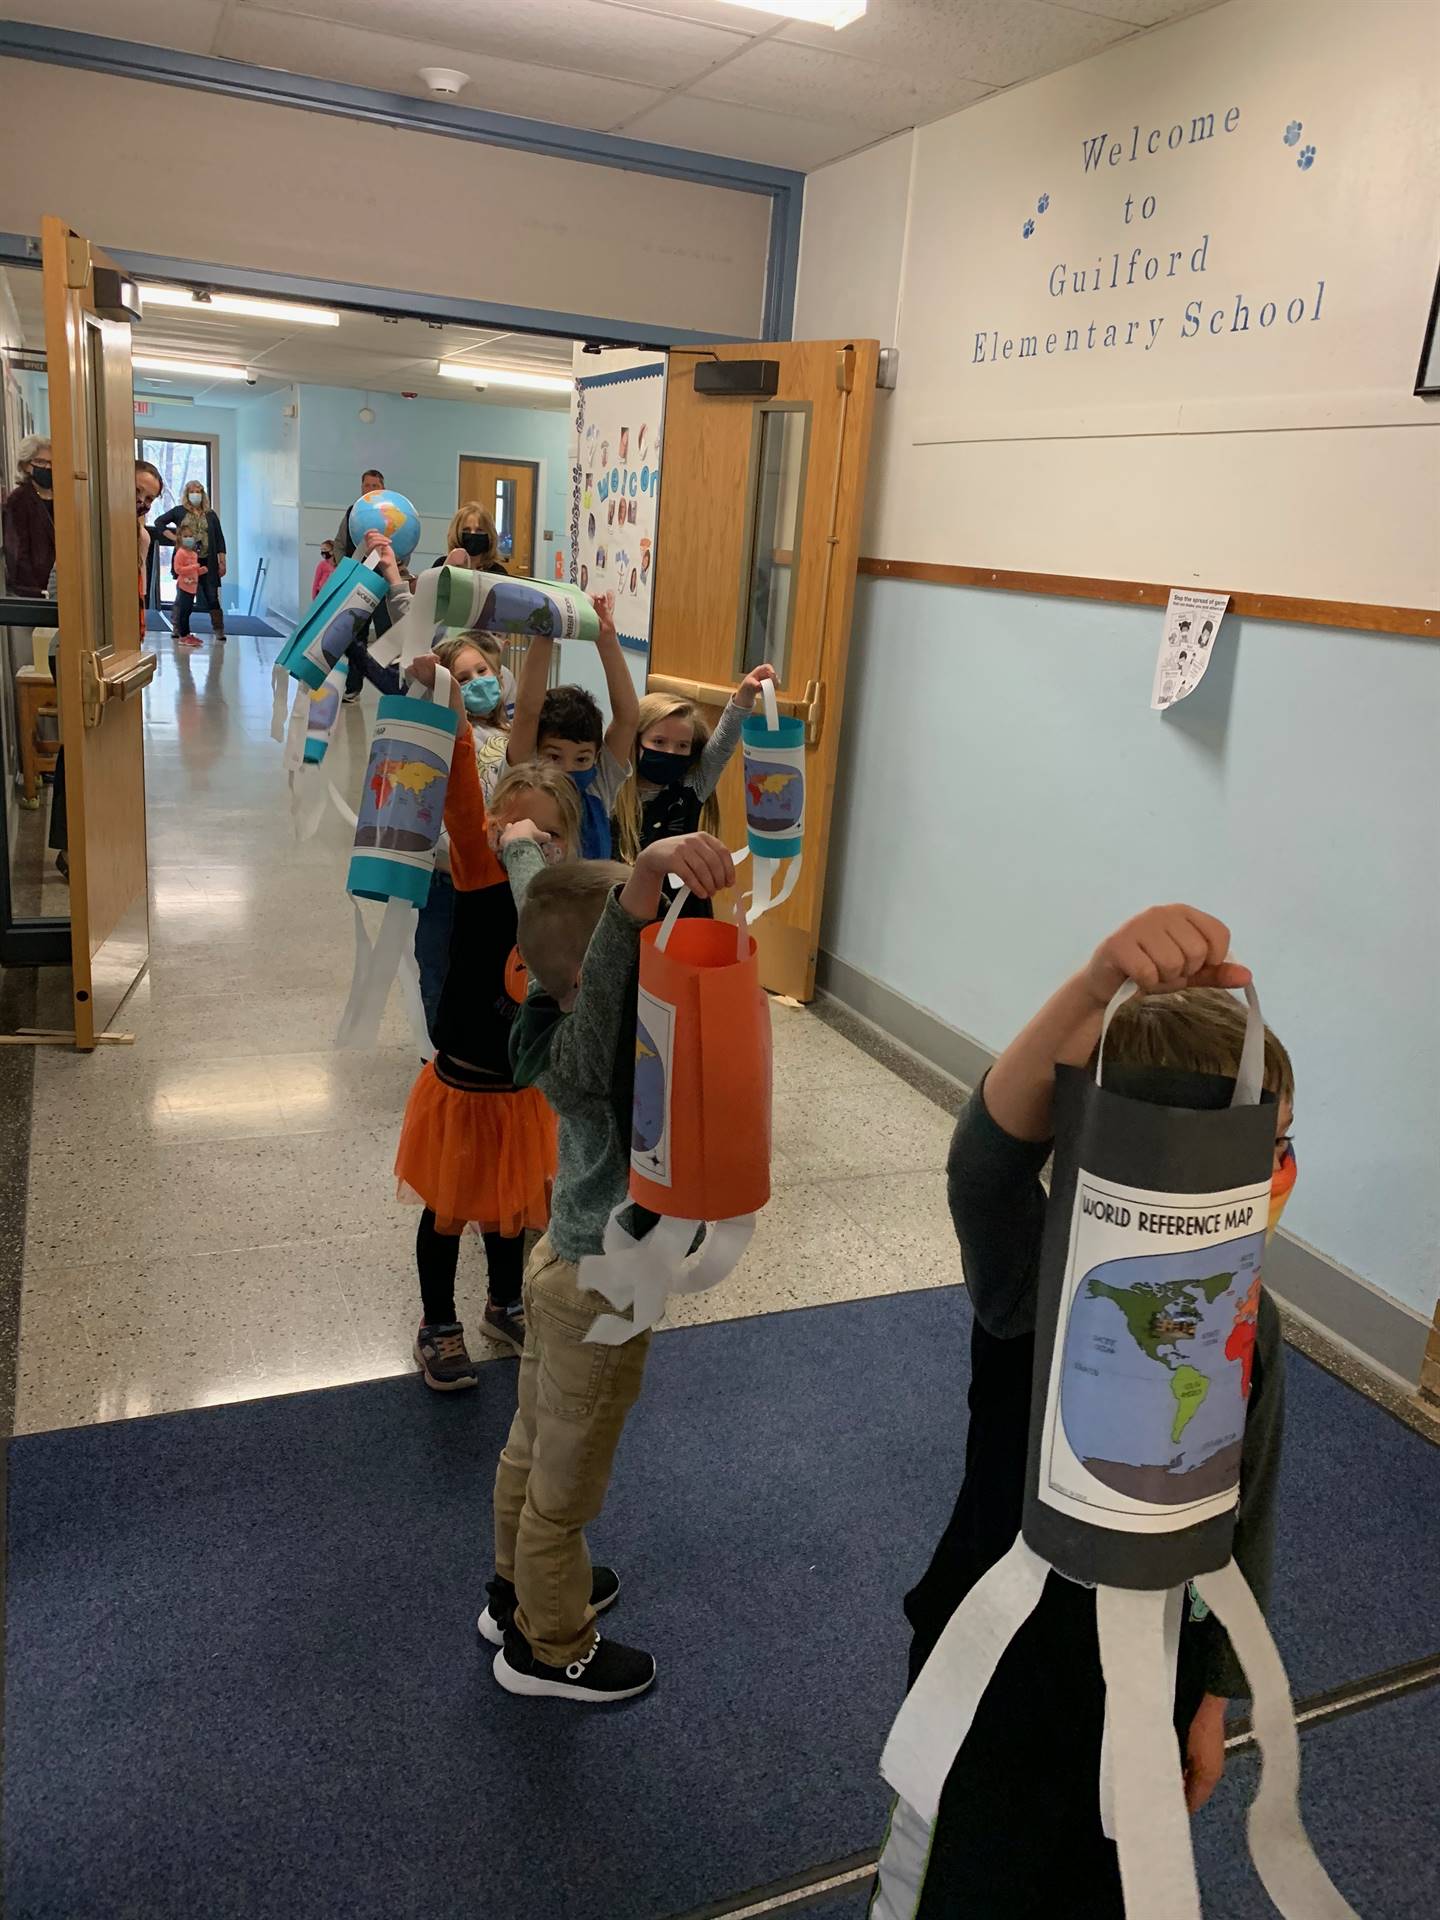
column 505, row 516
column 779, row 492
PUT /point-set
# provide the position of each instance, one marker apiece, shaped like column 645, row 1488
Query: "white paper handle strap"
column 1249, row 1075
column 772, row 705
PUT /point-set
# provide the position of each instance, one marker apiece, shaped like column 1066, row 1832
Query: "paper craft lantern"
column 1148, row 1293
column 773, row 750
column 700, row 1138
column 458, row 597
column 402, row 810
column 327, row 629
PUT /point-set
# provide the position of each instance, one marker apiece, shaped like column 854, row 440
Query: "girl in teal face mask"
column 477, row 668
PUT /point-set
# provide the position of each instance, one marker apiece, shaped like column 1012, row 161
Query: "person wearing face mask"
column 1036, row 1739
column 324, row 568
column 678, row 764
column 472, row 541
column 29, row 522
column 196, row 528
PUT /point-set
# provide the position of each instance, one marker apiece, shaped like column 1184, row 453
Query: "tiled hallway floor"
column 212, row 1212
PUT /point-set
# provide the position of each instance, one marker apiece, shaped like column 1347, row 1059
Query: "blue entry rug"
column 243, row 1674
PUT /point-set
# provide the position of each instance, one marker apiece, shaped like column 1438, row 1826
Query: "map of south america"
column 1155, row 1369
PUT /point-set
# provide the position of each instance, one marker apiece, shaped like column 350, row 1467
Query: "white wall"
column 1006, row 796
column 1284, row 459
column 288, row 191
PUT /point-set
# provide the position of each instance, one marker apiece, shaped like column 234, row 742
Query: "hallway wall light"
column 246, row 304
column 196, row 369
column 482, row 376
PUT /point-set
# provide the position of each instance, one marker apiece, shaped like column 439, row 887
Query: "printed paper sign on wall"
column 616, row 425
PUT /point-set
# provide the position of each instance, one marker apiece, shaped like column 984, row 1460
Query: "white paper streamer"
column 1174, row 1611
column 931, row 1726
column 1152, row 1825
column 1279, row 1846
column 903, row 1860
column 279, row 681
column 376, row 964
column 414, row 632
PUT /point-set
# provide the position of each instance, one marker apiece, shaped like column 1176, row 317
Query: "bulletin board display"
column 617, row 423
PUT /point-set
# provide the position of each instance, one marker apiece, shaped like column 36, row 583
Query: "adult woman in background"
column 29, row 517
column 472, row 540
column 196, row 526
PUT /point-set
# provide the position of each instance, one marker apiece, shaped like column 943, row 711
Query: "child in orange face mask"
column 1035, row 1740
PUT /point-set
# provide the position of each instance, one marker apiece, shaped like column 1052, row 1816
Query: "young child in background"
column 325, row 566
column 475, row 1148
column 575, row 1042
column 678, row 764
column 1018, row 1834
column 563, row 727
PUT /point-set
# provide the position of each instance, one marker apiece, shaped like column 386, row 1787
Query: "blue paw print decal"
column 1306, row 159
column 1027, row 229
column 1292, row 133
column 1042, row 203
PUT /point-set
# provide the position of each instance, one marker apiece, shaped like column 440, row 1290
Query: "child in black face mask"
column 678, row 764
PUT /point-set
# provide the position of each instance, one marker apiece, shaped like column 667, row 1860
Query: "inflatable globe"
column 388, row 513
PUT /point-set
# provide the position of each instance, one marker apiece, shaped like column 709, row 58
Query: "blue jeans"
column 432, row 945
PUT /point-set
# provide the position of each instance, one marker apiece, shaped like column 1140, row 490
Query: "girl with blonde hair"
column 677, row 767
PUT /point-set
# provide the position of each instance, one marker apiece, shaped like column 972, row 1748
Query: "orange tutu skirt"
column 486, row 1158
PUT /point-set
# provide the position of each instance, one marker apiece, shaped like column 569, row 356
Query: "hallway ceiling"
column 364, row 351
column 687, row 73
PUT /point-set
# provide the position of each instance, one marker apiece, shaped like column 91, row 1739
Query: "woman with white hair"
column 29, row 520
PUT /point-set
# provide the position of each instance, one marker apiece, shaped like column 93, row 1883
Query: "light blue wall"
column 267, row 521
column 417, row 445
column 1006, row 798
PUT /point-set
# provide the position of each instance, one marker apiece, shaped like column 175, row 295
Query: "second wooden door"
column 507, row 489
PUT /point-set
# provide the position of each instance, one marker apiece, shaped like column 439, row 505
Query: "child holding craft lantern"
column 1126, row 1408
column 634, row 1091
column 476, row 1148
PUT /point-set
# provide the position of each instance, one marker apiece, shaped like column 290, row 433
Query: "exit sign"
column 142, row 406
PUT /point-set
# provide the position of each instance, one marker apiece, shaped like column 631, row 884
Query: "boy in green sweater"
column 579, row 937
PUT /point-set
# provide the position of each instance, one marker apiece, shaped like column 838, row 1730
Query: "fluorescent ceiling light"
column 482, row 376
column 242, row 303
column 818, row 13
column 196, row 369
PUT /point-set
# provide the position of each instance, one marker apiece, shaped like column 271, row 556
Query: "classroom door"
column 759, row 537
column 507, row 488
column 102, row 663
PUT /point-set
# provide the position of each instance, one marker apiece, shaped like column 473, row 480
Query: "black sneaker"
column 494, row 1622
column 606, row 1672
column 506, row 1324
column 443, row 1358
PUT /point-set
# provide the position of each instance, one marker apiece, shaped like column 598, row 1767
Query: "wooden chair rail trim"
column 1421, row 622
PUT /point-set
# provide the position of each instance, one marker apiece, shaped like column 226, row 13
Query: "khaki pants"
column 556, row 1463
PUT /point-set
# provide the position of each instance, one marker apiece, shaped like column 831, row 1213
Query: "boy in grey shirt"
column 580, row 932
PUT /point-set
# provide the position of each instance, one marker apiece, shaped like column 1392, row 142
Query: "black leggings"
column 206, row 596
column 438, row 1254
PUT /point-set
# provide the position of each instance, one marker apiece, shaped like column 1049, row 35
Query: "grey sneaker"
column 443, row 1358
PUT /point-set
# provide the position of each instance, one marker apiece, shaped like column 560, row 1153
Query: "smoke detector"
column 444, row 81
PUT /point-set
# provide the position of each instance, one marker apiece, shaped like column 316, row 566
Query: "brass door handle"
column 113, row 676
column 809, row 706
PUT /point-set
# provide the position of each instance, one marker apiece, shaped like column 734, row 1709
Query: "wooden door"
column 508, row 489
column 755, row 560
column 103, row 663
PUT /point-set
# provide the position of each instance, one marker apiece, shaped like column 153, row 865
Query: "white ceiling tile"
column 189, row 28
column 583, row 36
column 376, row 60
column 744, row 133
column 820, row 85
column 997, row 42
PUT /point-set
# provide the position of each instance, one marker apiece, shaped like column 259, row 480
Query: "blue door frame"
column 53, row 46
